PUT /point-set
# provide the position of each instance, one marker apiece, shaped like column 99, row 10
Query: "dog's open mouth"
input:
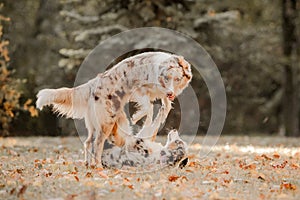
column 171, row 96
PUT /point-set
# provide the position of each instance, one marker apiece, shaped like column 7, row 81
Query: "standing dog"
column 101, row 101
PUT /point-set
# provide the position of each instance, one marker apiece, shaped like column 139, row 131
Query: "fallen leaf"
column 261, row 176
column 297, row 155
column 99, row 169
column 12, row 191
column 276, row 155
column 294, row 165
column 22, row 190
column 288, row 186
column 76, row 178
column 281, row 166
column 173, row 178
column 102, row 174
column 88, row 175
column 250, row 166
column 117, row 172
column 130, row 186
column 70, row 196
column 266, row 157
column 262, row 196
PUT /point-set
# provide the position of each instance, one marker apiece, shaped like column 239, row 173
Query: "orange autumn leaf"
column 88, row 175
column 131, row 187
column 22, row 190
column 117, row 172
column 294, row 165
column 173, row 178
column 297, row 155
column 99, row 168
column 281, row 166
column 266, row 157
column 276, row 155
column 76, row 178
column 250, row 166
column 102, row 174
column 288, row 186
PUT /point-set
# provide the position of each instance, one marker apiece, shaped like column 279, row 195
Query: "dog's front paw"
column 183, row 162
column 133, row 120
column 97, row 164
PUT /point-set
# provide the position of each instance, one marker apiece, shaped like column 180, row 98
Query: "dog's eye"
column 177, row 79
column 96, row 98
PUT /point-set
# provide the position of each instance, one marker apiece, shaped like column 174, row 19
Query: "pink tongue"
column 171, row 97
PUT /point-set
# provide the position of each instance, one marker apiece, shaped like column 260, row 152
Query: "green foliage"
column 9, row 88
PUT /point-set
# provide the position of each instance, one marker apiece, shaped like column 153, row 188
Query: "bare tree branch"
column 82, row 35
column 84, row 19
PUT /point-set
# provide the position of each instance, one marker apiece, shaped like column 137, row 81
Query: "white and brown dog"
column 146, row 154
column 100, row 101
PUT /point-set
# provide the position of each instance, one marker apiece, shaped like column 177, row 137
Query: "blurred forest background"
column 255, row 45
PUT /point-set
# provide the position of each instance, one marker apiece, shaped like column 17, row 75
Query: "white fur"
column 144, row 78
column 146, row 154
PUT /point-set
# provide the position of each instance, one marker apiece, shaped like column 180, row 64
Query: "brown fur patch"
column 118, row 140
column 184, row 67
column 116, row 102
column 145, row 58
column 161, row 81
column 121, row 94
column 106, row 129
column 65, row 96
column 130, row 63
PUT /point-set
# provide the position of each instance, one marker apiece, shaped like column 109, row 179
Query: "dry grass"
column 237, row 168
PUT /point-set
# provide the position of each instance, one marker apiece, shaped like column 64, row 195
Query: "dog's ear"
column 186, row 69
column 181, row 62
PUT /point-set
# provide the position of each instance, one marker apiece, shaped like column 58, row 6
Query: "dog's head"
column 175, row 149
column 175, row 75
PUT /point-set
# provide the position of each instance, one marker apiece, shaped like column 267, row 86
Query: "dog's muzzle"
column 171, row 96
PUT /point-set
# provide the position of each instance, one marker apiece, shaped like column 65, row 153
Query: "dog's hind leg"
column 149, row 116
column 101, row 136
column 152, row 129
column 88, row 142
column 162, row 114
column 87, row 149
column 145, row 107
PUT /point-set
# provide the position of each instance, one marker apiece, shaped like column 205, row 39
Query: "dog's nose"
column 171, row 96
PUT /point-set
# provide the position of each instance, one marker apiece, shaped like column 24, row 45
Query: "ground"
column 236, row 168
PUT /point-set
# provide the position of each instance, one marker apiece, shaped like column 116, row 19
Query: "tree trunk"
column 290, row 97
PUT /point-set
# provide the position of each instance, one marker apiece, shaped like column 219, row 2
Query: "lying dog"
column 145, row 154
column 101, row 101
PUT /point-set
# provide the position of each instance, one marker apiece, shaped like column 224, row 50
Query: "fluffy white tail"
column 70, row 102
